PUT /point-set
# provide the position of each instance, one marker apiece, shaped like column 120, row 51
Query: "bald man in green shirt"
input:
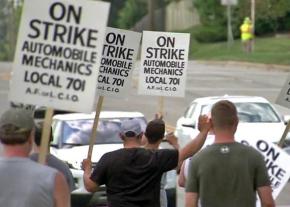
column 227, row 173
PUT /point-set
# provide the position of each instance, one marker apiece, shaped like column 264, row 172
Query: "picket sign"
column 58, row 48
column 119, row 55
column 164, row 57
column 45, row 135
column 276, row 159
column 95, row 126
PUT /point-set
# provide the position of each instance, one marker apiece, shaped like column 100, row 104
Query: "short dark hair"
column 155, row 131
column 224, row 114
column 38, row 135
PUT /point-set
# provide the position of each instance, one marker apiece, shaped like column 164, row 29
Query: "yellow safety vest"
column 246, row 30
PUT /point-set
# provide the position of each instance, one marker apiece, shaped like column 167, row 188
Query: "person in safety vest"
column 247, row 35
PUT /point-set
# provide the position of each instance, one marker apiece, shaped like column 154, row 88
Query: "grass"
column 270, row 50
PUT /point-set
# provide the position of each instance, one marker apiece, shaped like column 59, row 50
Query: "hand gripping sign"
column 163, row 63
column 58, row 51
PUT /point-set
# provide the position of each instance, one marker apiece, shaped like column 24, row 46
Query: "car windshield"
column 251, row 112
column 78, row 132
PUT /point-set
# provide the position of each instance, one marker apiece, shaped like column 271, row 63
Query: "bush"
column 209, row 33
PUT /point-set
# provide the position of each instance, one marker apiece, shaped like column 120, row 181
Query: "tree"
column 271, row 15
column 9, row 22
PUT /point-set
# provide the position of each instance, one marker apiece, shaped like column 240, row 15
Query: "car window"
column 251, row 112
column 190, row 110
column 78, row 132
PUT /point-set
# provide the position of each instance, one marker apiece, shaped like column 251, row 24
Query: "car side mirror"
column 286, row 118
column 189, row 125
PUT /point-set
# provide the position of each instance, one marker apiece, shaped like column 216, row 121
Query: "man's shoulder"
column 247, row 148
column 42, row 167
column 30, row 164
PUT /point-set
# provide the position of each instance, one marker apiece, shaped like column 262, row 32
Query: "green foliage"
column 271, row 15
column 210, row 12
column 209, row 33
column 132, row 11
column 116, row 6
column 267, row 50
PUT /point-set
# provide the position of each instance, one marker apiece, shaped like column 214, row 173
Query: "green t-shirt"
column 227, row 175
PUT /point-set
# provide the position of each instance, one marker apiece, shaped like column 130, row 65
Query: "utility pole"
column 230, row 30
column 253, row 9
column 151, row 15
column 229, row 4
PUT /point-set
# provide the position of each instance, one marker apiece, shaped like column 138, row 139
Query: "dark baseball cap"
column 21, row 119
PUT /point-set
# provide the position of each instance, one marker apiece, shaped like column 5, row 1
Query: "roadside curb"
column 246, row 65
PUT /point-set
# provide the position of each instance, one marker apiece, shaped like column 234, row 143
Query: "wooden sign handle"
column 282, row 140
column 161, row 106
column 45, row 135
column 94, row 130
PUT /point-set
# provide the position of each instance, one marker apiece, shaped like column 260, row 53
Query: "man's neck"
column 224, row 137
column 15, row 151
column 131, row 144
column 152, row 146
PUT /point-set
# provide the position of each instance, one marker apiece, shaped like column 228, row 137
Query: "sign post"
column 282, row 140
column 45, row 135
column 284, row 100
column 95, row 126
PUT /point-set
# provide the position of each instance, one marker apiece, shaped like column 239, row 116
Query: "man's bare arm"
column 191, row 199
column 195, row 145
column 90, row 185
column 61, row 191
column 181, row 177
column 265, row 194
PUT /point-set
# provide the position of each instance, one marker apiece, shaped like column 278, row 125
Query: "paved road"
column 202, row 80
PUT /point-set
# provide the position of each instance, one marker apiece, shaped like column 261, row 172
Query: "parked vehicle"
column 257, row 118
column 71, row 134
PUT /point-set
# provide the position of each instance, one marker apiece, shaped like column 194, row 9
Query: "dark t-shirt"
column 227, row 175
column 132, row 176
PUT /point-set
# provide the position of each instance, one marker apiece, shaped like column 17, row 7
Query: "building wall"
column 181, row 15
column 178, row 15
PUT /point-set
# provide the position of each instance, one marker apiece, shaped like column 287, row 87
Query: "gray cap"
column 23, row 119
column 131, row 125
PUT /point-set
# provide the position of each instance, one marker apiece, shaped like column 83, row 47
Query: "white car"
column 257, row 118
column 71, row 134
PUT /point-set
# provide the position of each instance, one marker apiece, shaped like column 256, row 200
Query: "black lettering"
column 148, row 50
column 166, row 41
column 34, row 26
column 58, row 12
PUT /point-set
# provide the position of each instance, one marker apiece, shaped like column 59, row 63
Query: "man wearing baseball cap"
column 132, row 174
column 25, row 183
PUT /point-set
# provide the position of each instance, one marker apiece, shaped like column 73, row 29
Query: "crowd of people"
column 224, row 174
